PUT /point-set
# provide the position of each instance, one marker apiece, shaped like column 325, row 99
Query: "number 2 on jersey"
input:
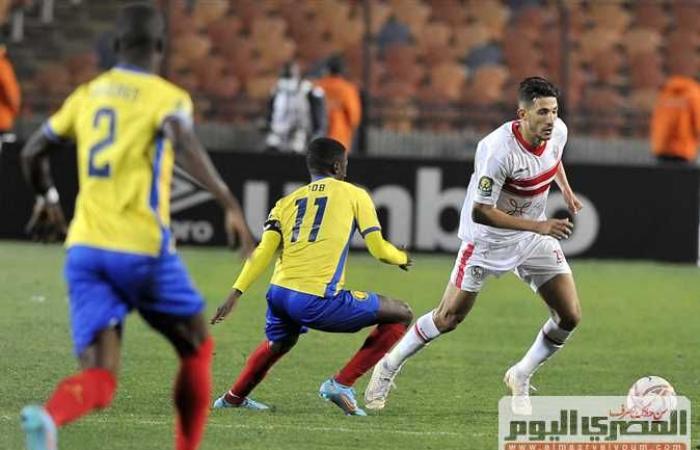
column 102, row 115
column 320, row 203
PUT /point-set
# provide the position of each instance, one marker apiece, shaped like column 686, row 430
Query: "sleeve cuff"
column 369, row 230
column 50, row 134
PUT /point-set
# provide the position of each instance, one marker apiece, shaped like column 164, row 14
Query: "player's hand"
column 409, row 260
column 226, row 307
column 47, row 223
column 237, row 229
column 558, row 228
column 573, row 203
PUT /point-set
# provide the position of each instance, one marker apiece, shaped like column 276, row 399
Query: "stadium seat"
column 413, row 13
column 492, row 14
column 683, row 63
column 650, row 14
column 686, row 14
column 646, row 71
column 191, row 46
column 447, row 80
column 602, row 105
column 596, row 41
column 685, row 41
column 641, row 40
column 209, row 11
column 609, row 15
column 607, row 67
column 471, row 36
column 380, row 14
column 223, row 31
column 451, row 12
column 259, row 88
column 486, row 85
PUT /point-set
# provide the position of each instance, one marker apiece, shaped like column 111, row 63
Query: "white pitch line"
column 272, row 427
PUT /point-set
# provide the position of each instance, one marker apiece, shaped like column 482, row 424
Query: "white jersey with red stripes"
column 515, row 177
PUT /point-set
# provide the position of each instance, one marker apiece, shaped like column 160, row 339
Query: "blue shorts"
column 290, row 313
column 105, row 285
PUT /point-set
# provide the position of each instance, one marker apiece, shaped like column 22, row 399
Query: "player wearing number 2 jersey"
column 129, row 126
column 313, row 227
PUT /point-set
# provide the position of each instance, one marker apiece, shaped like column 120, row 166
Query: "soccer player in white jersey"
column 503, row 229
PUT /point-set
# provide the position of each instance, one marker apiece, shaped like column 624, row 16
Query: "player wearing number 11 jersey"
column 313, row 227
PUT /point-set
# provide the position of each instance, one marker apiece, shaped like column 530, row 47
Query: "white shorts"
column 539, row 263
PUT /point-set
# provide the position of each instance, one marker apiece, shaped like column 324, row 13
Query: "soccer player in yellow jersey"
column 129, row 126
column 313, row 226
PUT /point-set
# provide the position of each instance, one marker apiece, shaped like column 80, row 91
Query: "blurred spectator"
column 10, row 96
column 393, row 32
column 296, row 112
column 342, row 102
column 675, row 122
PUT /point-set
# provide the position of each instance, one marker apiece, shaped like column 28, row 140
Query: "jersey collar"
column 132, row 68
column 535, row 150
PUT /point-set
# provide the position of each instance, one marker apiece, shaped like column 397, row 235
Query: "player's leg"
column 170, row 303
column 393, row 318
column 457, row 300
column 190, row 339
column 96, row 311
column 266, row 354
column 282, row 333
column 560, row 295
column 547, row 273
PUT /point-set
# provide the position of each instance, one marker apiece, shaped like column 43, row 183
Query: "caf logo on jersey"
column 485, row 186
column 359, row 295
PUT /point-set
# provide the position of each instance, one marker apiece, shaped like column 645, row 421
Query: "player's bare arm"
column 47, row 222
column 195, row 160
column 572, row 202
column 494, row 217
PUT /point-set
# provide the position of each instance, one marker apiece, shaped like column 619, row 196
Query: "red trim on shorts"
column 466, row 254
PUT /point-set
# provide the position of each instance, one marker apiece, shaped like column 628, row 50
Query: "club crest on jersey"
column 485, row 186
column 477, row 273
column 359, row 295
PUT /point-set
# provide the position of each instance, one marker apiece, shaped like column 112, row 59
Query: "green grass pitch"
column 638, row 319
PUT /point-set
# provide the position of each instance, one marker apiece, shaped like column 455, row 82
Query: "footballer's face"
column 538, row 117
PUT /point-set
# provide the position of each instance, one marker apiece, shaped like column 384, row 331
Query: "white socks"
column 417, row 337
column 550, row 339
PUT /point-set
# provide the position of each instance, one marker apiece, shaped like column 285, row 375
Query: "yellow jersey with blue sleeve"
column 124, row 162
column 316, row 223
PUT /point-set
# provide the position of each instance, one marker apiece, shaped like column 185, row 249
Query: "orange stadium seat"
column 400, row 114
column 486, row 85
column 596, row 41
column 641, row 40
column 686, row 14
column 603, row 105
column 683, row 63
column 260, row 88
column 380, row 14
column 399, row 58
column 607, row 66
column 209, row 11
column 492, row 14
column 414, row 13
column 643, row 100
column 447, row 80
column 650, row 14
column 451, row 12
column 471, row 36
column 192, row 47
column 223, row 30
column 684, row 41
column 610, row 15
column 646, row 71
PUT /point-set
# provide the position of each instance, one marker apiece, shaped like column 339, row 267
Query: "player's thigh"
column 97, row 310
column 393, row 311
column 345, row 312
column 560, row 295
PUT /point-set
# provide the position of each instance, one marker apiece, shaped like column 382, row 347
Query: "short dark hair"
column 139, row 28
column 322, row 153
column 335, row 65
column 536, row 87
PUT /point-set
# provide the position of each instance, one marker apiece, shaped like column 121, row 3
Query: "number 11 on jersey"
column 301, row 203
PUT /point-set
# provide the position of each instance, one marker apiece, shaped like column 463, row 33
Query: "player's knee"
column 447, row 321
column 282, row 347
column 405, row 313
column 570, row 319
